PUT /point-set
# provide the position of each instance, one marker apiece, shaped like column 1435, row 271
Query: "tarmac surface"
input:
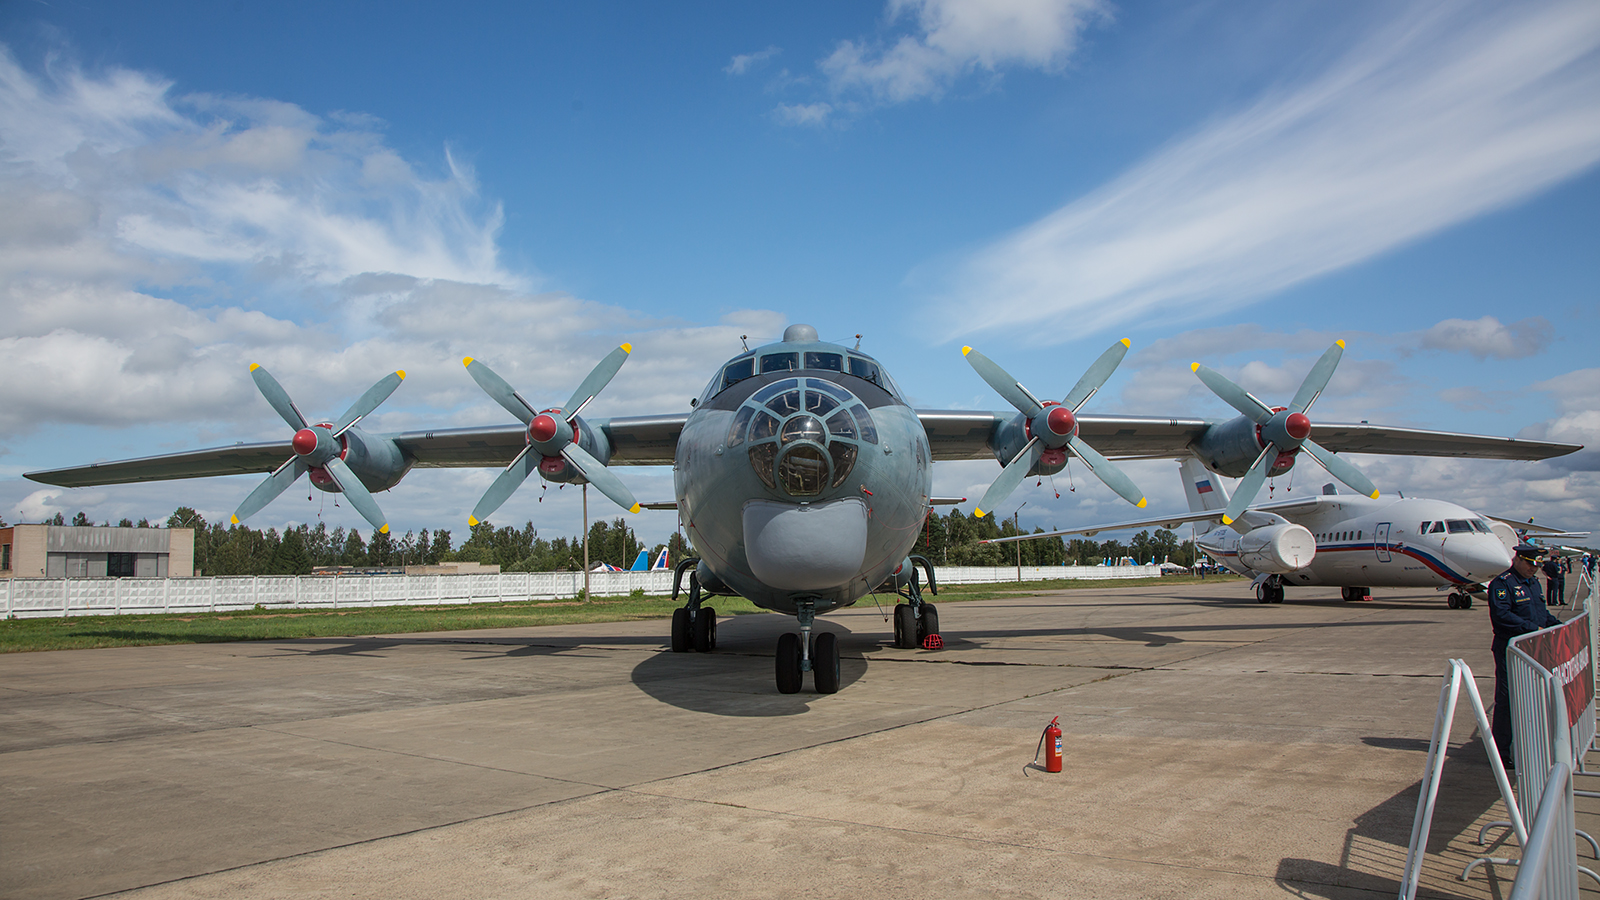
column 1215, row 747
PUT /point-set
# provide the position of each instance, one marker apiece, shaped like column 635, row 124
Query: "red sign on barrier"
column 1564, row 650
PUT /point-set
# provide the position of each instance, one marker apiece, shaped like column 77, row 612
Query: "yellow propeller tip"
column 401, row 373
column 1340, row 343
column 472, row 520
column 1227, row 521
column 635, row 508
column 255, row 366
column 1374, row 495
column 466, row 360
column 1143, row 502
column 965, row 350
column 1127, row 343
column 1194, row 367
column 234, row 519
column 627, row 348
column 978, row 513
column 384, row 529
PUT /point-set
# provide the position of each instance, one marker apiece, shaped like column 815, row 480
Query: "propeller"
column 317, row 448
column 552, row 434
column 1053, row 427
column 1283, row 430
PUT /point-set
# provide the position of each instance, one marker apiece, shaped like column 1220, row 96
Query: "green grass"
column 86, row 632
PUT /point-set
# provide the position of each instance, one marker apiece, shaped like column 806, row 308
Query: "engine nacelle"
column 592, row 440
column 1231, row 447
column 710, row 580
column 378, row 462
column 1012, row 436
column 1277, row 549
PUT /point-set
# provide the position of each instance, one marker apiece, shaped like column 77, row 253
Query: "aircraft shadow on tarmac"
column 736, row 679
column 1378, row 841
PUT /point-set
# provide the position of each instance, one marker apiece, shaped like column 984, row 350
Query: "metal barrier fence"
column 37, row 597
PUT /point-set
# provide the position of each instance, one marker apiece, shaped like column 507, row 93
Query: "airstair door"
column 1380, row 541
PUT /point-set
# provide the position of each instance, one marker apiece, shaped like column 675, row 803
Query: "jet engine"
column 1277, row 549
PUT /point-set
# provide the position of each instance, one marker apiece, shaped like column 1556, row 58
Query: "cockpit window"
column 1460, row 526
column 774, row 389
column 737, row 371
column 820, row 404
column 869, row 432
column 780, row 362
column 831, row 362
column 785, row 404
column 1481, row 527
column 865, row 369
column 841, row 425
column 736, row 433
column 1438, row 528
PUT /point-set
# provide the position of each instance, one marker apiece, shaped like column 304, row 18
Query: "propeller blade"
column 277, row 396
column 1107, row 471
column 505, row 485
column 357, row 494
column 268, row 490
column 599, row 377
column 1003, row 383
column 1250, row 485
column 1011, row 475
column 1235, row 396
column 1096, row 376
column 601, row 477
column 369, row 401
column 1317, row 379
column 497, row 389
column 1338, row 468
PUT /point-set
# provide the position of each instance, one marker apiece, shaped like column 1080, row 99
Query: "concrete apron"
column 1215, row 747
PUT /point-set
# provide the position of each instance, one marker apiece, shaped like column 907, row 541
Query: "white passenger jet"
column 1345, row 540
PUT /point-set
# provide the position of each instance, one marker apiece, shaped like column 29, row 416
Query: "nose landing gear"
column 798, row 654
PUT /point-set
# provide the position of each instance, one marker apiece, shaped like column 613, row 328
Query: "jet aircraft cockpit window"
column 1438, row 528
column 737, row 371
column 780, row 362
column 1481, row 527
column 1460, row 526
column 830, row 362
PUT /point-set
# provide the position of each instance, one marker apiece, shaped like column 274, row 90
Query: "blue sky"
column 339, row 190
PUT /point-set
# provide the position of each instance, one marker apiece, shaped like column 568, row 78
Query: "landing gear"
column 798, row 654
column 1459, row 600
column 1269, row 590
column 916, row 620
column 1356, row 593
column 694, row 627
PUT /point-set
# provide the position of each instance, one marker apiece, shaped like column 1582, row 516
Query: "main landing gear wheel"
column 680, row 630
column 1460, row 601
column 824, row 663
column 788, row 663
column 705, row 630
column 905, row 627
column 928, row 625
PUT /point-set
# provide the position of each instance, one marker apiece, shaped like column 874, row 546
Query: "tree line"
column 952, row 539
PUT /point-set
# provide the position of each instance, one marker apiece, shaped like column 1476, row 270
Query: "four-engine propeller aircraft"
column 801, row 475
column 1355, row 543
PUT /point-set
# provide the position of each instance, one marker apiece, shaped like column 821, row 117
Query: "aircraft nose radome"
column 805, row 548
column 1481, row 559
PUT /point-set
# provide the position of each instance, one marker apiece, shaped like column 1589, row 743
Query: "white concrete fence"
column 36, row 597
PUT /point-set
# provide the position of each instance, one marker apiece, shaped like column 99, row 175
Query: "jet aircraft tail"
column 1203, row 489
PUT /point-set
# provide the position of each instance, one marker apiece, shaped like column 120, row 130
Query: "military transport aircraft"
column 800, row 473
column 1353, row 542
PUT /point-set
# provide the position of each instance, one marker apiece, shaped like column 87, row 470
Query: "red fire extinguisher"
column 1050, row 743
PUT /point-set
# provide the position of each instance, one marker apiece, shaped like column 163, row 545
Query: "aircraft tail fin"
column 661, row 561
column 1203, row 488
column 641, row 563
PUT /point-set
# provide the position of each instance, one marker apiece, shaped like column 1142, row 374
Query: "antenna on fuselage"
column 742, row 340
column 858, row 342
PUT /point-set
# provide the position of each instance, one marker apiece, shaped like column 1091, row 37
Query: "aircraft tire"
column 1277, row 594
column 680, row 630
column 905, row 627
column 1262, row 595
column 929, row 622
column 788, row 663
column 1466, row 601
column 705, row 630
column 1454, row 602
column 825, row 662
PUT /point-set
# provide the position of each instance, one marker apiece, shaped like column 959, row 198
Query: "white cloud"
column 1445, row 114
column 803, row 113
column 744, row 62
column 1487, row 338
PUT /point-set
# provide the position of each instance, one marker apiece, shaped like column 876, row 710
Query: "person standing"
column 1516, row 606
column 1554, row 595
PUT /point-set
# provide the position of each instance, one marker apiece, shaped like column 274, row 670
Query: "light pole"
column 1016, row 523
column 586, row 542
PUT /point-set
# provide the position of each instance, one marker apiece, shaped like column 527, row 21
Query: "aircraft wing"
column 1264, row 514
column 967, row 434
column 1532, row 529
column 635, row 441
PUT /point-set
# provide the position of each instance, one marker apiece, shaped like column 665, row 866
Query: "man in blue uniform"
column 1516, row 606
